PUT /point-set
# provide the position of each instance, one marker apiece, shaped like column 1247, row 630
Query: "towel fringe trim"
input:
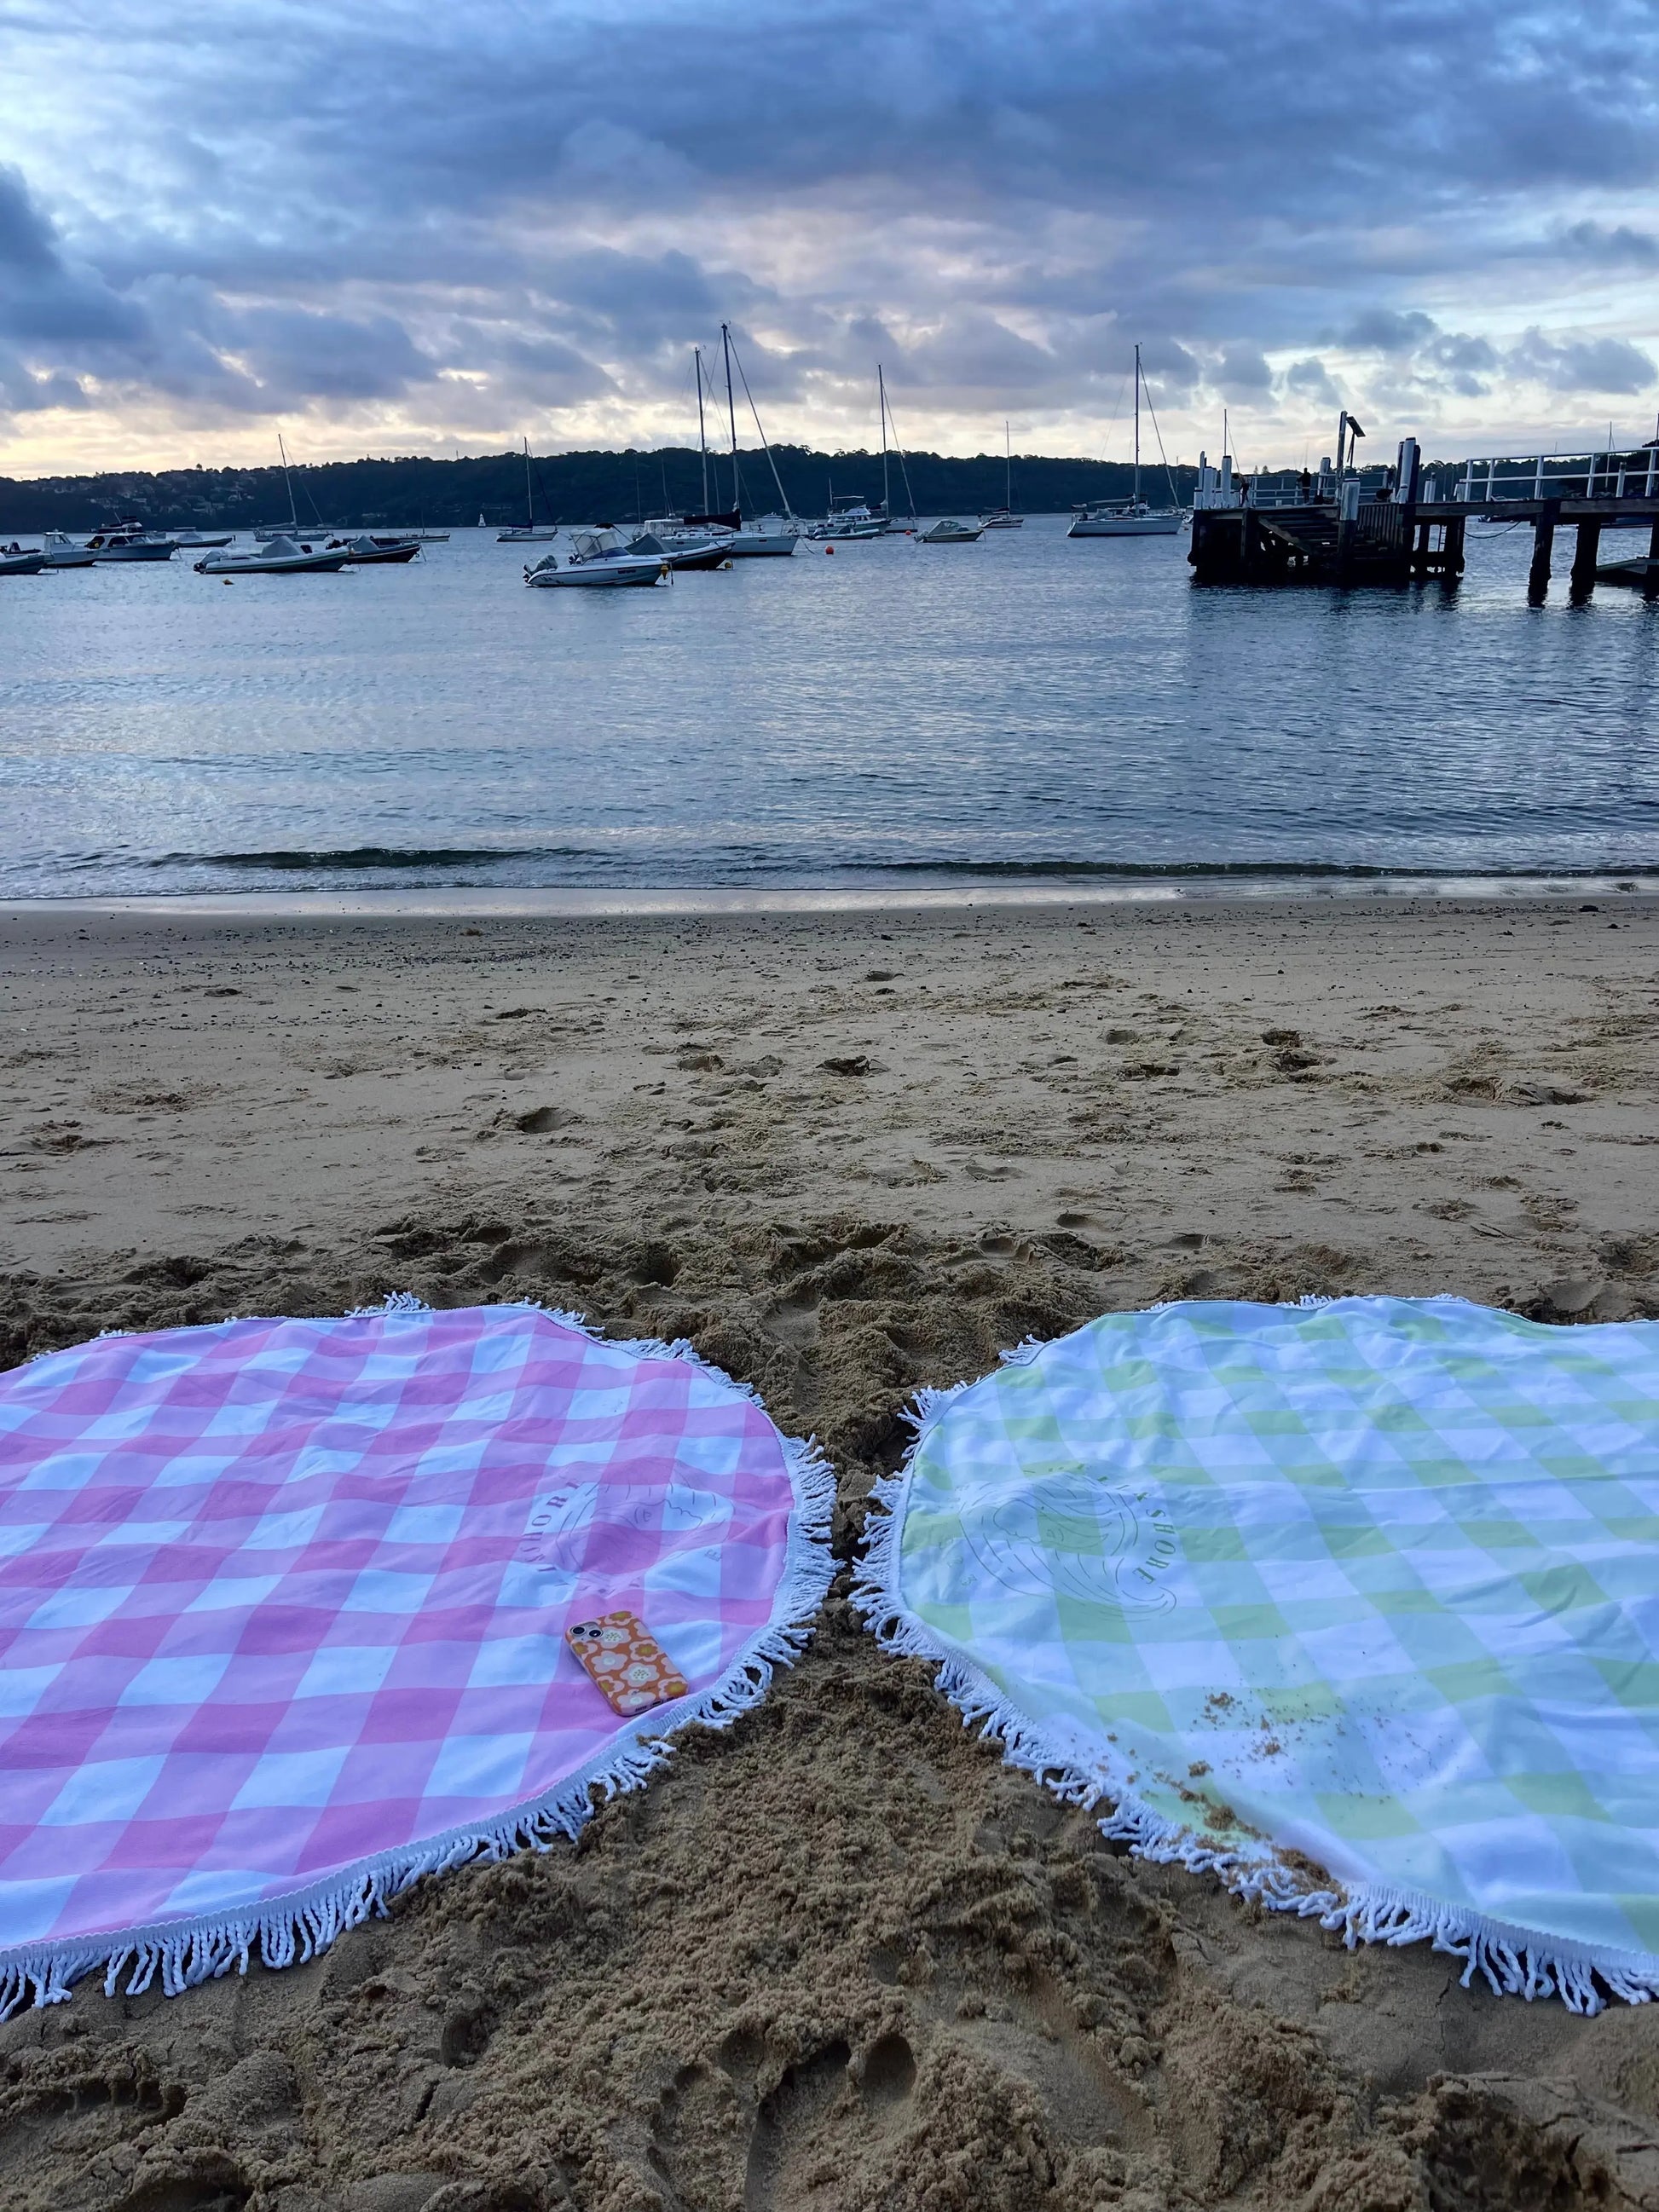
column 1513, row 1961
column 291, row 1929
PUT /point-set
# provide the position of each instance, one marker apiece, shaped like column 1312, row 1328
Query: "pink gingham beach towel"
column 283, row 1614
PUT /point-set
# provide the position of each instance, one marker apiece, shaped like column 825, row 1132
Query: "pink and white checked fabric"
column 283, row 1607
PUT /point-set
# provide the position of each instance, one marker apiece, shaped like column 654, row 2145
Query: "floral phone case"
column 626, row 1661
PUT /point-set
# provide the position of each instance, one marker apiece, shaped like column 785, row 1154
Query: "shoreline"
column 579, row 902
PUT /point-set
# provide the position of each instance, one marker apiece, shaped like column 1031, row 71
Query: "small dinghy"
column 15, row 561
column 950, row 533
column 276, row 557
column 597, row 560
column 363, row 551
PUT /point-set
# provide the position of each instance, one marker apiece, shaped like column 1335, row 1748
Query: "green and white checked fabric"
column 1356, row 1603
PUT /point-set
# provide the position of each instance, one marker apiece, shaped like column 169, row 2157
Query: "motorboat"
column 1000, row 518
column 597, row 558
column 15, row 561
column 1131, row 517
column 366, row 551
column 197, row 541
column 129, row 540
column 849, row 518
column 276, row 557
column 529, row 531
column 63, row 552
column 951, row 533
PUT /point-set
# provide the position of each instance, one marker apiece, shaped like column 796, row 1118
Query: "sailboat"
column 1132, row 517
column 270, row 530
column 850, row 519
column 1003, row 517
column 737, row 541
column 532, row 533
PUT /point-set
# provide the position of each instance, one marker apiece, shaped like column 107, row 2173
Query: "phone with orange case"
column 627, row 1665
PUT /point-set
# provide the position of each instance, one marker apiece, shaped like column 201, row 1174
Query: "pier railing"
column 1629, row 474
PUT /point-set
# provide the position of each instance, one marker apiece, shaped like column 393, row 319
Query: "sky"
column 438, row 228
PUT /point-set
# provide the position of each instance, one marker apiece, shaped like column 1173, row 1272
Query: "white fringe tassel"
column 1514, row 1961
column 290, row 1930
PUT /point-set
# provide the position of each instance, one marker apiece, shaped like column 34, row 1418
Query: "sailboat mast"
column 702, row 435
column 881, row 395
column 732, row 417
column 1008, row 482
column 292, row 511
column 529, row 500
column 1137, row 426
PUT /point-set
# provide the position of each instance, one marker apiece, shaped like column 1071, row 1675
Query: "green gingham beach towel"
column 1355, row 1604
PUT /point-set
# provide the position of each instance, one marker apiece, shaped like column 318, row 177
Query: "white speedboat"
column 197, row 541
column 15, row 561
column 129, row 540
column 276, row 557
column 63, row 552
column 366, row 551
column 951, row 533
column 1131, row 517
column 597, row 559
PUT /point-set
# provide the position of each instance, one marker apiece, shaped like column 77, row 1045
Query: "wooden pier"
column 1394, row 527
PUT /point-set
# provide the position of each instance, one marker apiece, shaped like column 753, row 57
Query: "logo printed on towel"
column 1067, row 1532
column 562, row 1521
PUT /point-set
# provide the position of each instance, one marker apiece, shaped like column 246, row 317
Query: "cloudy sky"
column 392, row 227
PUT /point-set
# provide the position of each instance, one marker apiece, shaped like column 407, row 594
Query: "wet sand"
column 838, row 1957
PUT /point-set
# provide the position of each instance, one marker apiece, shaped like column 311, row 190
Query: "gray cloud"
column 1596, row 365
column 330, row 211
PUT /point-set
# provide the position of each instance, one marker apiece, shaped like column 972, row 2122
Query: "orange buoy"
column 828, row 548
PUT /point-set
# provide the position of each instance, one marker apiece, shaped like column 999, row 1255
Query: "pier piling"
column 1543, row 541
column 1585, row 554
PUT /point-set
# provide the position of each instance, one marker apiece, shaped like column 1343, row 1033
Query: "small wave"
column 373, row 856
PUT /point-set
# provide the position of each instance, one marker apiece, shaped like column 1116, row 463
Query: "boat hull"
column 762, row 544
column 21, row 564
column 163, row 551
column 72, row 558
column 302, row 564
column 1127, row 525
column 526, row 537
column 596, row 575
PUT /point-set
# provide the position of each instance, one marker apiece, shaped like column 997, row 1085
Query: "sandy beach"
column 839, row 1957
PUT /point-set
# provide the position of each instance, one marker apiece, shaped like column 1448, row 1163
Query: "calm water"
column 890, row 713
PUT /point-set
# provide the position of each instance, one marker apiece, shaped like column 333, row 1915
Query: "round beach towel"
column 292, row 1612
column 1357, row 1604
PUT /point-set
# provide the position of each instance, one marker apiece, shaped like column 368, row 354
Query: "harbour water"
column 1026, row 708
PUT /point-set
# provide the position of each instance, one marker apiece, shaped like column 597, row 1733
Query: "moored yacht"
column 529, row 531
column 129, row 540
column 948, row 531
column 1131, row 517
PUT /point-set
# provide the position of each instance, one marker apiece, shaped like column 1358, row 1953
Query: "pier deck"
column 1410, row 525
